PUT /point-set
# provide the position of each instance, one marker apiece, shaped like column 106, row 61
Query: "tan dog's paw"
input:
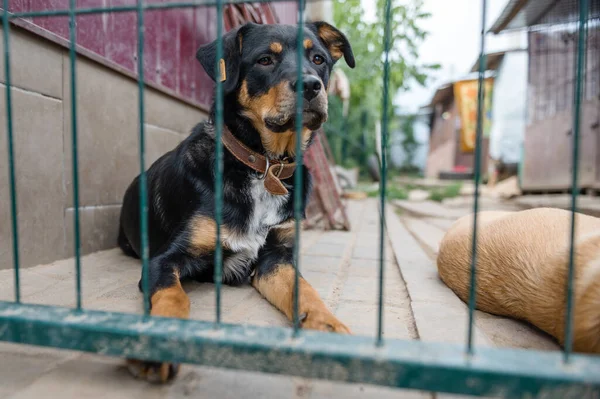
column 323, row 321
column 155, row 372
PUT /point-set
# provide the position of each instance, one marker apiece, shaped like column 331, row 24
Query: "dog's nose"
column 312, row 87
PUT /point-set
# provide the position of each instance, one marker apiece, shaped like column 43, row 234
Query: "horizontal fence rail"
column 398, row 363
column 389, row 362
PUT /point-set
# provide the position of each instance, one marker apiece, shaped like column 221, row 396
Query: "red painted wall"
column 171, row 37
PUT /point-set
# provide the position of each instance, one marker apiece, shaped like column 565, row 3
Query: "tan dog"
column 522, row 269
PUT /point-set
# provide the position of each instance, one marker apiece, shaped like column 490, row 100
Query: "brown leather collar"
column 273, row 171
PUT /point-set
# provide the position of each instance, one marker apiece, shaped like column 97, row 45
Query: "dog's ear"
column 229, row 65
column 335, row 41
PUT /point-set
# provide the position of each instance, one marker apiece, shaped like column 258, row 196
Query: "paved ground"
column 440, row 315
column 342, row 266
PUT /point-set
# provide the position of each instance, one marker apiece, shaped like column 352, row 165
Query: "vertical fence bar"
column 74, row 156
column 145, row 253
column 218, row 165
column 384, row 138
column 11, row 153
column 298, row 174
column 477, row 177
column 583, row 15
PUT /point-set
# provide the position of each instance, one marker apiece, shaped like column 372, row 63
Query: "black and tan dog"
column 259, row 72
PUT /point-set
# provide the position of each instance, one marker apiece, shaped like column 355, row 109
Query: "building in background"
column 452, row 113
column 508, row 103
column 453, row 110
column 548, row 137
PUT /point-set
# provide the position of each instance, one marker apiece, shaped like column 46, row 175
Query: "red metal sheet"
column 93, row 29
column 206, row 27
column 186, row 51
column 286, row 12
column 171, row 38
column 122, row 45
column 57, row 25
column 19, row 5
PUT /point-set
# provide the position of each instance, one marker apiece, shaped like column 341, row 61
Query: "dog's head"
column 259, row 69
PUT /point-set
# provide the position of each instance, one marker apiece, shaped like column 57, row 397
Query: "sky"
column 453, row 42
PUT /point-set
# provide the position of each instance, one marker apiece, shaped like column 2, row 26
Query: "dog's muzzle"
column 314, row 108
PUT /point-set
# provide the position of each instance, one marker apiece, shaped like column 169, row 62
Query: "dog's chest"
column 265, row 212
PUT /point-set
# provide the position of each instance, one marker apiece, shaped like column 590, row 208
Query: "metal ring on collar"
column 266, row 170
column 280, row 170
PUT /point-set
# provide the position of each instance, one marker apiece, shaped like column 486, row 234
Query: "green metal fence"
column 407, row 364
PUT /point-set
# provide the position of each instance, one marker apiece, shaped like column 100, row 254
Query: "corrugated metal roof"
column 493, row 61
column 442, row 94
column 519, row 14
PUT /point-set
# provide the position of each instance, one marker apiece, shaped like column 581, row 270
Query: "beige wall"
column 441, row 159
column 442, row 141
column 107, row 105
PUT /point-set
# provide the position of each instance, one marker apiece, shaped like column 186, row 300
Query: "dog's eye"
column 265, row 61
column 317, row 59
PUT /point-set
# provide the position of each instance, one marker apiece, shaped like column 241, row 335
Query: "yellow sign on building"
column 465, row 93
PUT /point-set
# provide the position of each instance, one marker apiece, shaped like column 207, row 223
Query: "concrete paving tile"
column 93, row 377
column 22, row 365
column 508, row 333
column 429, row 209
column 447, row 324
column 425, row 285
column 327, row 249
column 443, row 224
column 256, row 311
column 362, row 319
column 428, row 234
column 34, row 287
column 366, row 290
column 207, row 382
column 322, row 282
column 337, row 237
column 366, row 237
column 319, row 263
column 452, row 396
column 370, row 268
column 371, row 252
column 324, row 390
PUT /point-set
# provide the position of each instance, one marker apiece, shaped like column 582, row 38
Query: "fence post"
column 382, row 183
column 298, row 174
column 145, row 251
column 477, row 178
column 11, row 153
column 578, row 91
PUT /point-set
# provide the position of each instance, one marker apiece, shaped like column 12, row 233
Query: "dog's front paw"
column 323, row 321
column 155, row 372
